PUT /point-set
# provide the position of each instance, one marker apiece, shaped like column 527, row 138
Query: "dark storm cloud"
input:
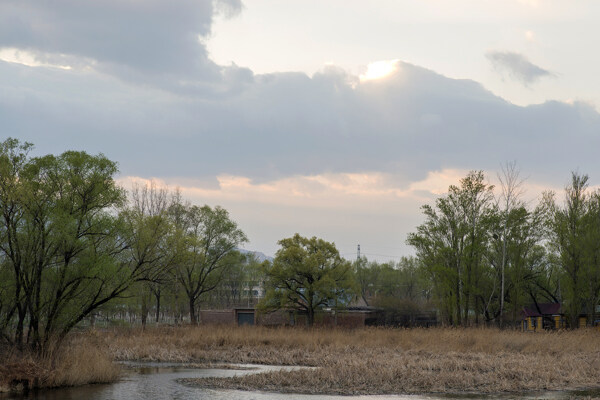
column 517, row 67
column 137, row 41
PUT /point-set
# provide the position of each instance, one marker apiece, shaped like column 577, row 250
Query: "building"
column 541, row 316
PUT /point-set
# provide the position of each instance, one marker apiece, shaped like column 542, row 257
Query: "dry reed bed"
column 80, row 361
column 378, row 361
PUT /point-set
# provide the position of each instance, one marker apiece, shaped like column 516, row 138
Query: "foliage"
column 71, row 243
column 489, row 259
column 575, row 235
column 59, row 242
column 204, row 246
column 452, row 245
column 306, row 275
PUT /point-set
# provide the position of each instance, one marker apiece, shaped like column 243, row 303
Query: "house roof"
column 541, row 309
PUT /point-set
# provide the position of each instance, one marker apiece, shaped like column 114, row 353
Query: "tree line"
column 74, row 245
column 73, row 242
column 488, row 254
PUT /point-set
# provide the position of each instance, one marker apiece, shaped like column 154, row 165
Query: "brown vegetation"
column 362, row 361
column 370, row 361
column 81, row 361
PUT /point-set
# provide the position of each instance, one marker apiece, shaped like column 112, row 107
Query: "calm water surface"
column 149, row 381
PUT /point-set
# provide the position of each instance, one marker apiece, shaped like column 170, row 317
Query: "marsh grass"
column 361, row 361
column 82, row 360
column 377, row 360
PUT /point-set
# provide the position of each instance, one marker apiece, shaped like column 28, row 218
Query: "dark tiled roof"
column 541, row 309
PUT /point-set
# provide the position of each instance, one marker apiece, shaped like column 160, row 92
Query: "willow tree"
column 63, row 246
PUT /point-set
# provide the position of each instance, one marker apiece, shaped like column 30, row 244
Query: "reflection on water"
column 149, row 381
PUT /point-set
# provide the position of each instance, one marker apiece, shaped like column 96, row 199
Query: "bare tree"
column 511, row 185
column 147, row 216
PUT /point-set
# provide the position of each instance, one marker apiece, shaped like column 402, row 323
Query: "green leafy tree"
column 148, row 228
column 575, row 236
column 65, row 251
column 306, row 275
column 204, row 244
column 58, row 239
column 452, row 244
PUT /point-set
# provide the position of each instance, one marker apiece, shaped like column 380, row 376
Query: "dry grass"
column 80, row 361
column 362, row 361
column 377, row 361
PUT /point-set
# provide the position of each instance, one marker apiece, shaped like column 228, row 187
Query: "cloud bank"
column 143, row 90
column 286, row 124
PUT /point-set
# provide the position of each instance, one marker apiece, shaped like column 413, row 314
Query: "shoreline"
column 350, row 362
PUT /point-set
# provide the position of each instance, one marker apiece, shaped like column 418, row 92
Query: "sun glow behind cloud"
column 379, row 69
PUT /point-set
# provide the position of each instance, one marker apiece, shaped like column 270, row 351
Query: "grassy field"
column 363, row 361
column 378, row 361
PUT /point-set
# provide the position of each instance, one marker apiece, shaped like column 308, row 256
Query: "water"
column 149, row 381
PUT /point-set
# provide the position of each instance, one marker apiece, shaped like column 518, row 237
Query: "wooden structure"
column 542, row 316
column 239, row 316
column 349, row 318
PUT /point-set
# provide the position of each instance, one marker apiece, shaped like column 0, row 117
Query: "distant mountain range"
column 260, row 257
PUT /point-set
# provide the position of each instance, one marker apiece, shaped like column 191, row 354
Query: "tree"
column 205, row 240
column 508, row 202
column 59, row 237
column 592, row 271
column 575, row 237
column 452, row 244
column 65, row 251
column 148, row 228
column 242, row 284
column 306, row 275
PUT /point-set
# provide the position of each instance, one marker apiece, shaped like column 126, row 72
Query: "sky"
column 337, row 119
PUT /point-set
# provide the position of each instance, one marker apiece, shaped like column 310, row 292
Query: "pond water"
column 149, row 381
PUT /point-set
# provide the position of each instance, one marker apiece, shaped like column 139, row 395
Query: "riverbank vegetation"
column 81, row 360
column 79, row 252
column 374, row 360
column 379, row 360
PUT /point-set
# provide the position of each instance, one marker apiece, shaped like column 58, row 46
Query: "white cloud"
column 25, row 57
column 347, row 208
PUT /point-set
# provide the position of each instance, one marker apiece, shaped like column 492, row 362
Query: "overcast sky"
column 335, row 119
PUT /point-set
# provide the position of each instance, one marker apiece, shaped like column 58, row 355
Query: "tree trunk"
column 310, row 320
column 193, row 319
column 144, row 311
column 457, row 321
column 21, row 311
column 157, row 295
